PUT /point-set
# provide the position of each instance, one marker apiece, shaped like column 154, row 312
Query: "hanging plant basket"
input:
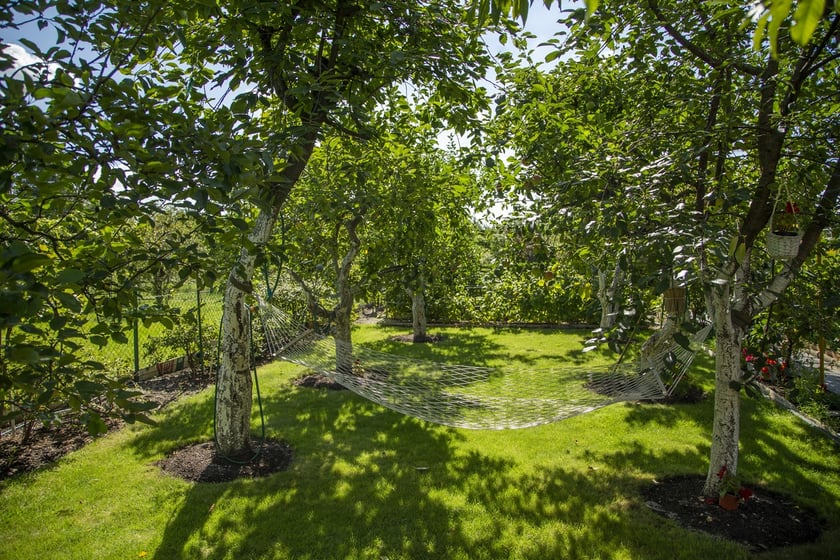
column 784, row 238
column 674, row 301
column 783, row 245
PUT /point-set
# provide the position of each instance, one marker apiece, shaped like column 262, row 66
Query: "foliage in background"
column 83, row 219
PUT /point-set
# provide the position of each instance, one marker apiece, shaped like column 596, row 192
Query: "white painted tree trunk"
column 233, row 383
column 727, row 416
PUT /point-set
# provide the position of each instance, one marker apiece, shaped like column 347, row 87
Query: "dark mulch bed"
column 318, row 381
column 46, row 444
column 765, row 521
column 201, row 463
column 428, row 339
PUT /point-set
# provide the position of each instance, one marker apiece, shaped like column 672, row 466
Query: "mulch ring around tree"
column 763, row 522
column 428, row 339
column 318, row 381
column 201, row 462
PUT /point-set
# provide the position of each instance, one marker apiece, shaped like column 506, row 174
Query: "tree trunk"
column 418, row 310
column 726, row 423
column 343, row 341
column 233, row 384
column 610, row 296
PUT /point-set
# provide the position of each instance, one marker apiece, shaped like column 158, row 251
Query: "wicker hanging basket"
column 784, row 237
column 674, row 301
column 783, row 246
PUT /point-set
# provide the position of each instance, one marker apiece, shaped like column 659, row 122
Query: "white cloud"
column 30, row 63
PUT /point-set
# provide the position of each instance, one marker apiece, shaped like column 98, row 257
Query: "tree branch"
column 695, row 49
column 826, row 209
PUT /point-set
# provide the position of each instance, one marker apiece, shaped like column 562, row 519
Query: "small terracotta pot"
column 728, row 502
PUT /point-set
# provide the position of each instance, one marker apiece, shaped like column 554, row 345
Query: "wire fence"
column 167, row 333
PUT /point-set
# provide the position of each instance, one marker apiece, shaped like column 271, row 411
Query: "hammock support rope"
column 476, row 397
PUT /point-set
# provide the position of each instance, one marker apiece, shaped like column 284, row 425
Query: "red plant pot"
column 728, row 502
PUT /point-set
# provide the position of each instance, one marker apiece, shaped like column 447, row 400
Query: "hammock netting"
column 475, row 397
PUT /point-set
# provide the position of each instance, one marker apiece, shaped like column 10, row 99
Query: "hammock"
column 475, row 397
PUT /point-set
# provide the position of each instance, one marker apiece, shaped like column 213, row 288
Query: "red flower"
column 745, row 493
column 765, row 370
column 791, row 208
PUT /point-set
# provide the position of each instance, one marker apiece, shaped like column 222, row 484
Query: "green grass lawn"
column 366, row 482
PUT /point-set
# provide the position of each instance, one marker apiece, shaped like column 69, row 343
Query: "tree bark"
column 418, row 310
column 344, row 286
column 610, row 296
column 233, row 384
column 727, row 416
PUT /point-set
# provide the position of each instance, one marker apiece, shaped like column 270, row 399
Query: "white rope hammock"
column 475, row 397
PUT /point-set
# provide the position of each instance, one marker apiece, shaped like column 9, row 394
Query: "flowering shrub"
column 768, row 367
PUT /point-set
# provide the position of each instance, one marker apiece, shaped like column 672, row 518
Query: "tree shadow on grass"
column 763, row 454
column 478, row 347
column 367, row 482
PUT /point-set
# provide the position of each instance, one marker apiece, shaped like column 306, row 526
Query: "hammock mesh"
column 475, row 397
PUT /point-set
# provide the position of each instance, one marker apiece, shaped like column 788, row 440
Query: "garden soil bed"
column 765, row 521
column 201, row 463
column 46, row 444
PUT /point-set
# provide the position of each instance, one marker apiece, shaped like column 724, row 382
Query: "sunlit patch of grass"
column 366, row 482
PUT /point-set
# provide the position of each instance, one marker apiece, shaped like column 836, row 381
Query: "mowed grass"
column 367, row 482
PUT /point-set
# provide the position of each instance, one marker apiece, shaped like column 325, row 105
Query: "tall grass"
column 366, row 482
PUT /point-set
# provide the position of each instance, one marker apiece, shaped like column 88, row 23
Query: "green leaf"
column 760, row 29
column 69, row 301
column 69, row 276
column 88, row 389
column 42, row 93
column 25, row 354
column 779, row 11
column 94, row 423
column 29, row 262
column 119, row 336
column 591, row 7
column 31, row 329
column 71, row 99
column 98, row 340
column 805, row 20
